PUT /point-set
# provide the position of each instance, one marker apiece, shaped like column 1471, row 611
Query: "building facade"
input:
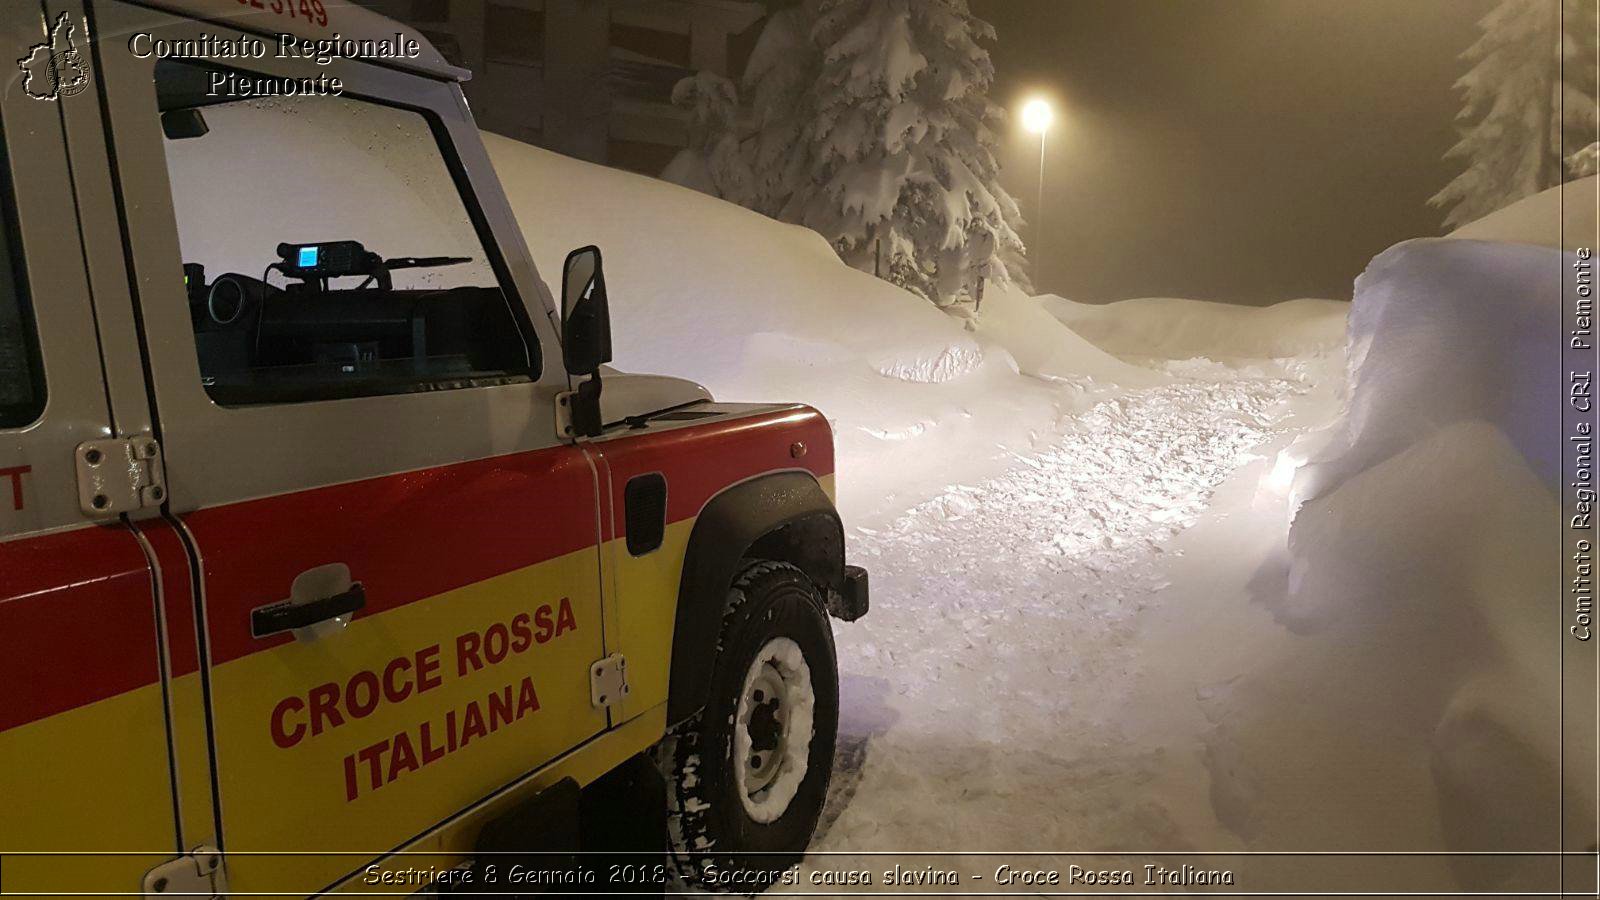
column 591, row 79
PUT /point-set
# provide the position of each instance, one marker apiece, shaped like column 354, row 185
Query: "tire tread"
column 680, row 754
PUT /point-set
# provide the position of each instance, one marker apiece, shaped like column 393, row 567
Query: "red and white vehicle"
column 325, row 562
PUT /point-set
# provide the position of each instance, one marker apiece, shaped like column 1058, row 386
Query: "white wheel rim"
column 772, row 730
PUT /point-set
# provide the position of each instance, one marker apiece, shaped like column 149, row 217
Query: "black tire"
column 714, row 841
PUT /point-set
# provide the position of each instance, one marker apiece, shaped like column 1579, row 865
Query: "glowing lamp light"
column 1037, row 116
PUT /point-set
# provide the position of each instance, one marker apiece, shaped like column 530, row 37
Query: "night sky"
column 1240, row 150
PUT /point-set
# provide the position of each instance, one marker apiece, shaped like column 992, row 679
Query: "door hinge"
column 564, row 428
column 199, row 874
column 120, row 475
column 608, row 681
column 578, row 413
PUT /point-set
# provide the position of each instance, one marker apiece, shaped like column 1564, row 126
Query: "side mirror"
column 183, row 124
column 585, row 316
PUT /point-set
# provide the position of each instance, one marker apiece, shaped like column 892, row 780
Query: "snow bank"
column 758, row 310
column 689, row 271
column 1561, row 217
column 1418, row 566
column 1175, row 329
column 1044, row 346
column 1436, row 564
column 1448, row 331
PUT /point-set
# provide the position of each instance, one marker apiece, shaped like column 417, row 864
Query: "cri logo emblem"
column 54, row 69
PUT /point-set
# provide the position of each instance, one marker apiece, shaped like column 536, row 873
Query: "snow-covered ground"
column 1093, row 625
column 992, row 684
column 1033, row 676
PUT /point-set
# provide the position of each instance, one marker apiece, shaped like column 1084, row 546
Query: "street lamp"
column 1036, row 117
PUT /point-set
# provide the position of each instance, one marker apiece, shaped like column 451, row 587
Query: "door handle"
column 285, row 616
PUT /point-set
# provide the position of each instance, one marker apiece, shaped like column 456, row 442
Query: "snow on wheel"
column 748, row 774
column 772, row 730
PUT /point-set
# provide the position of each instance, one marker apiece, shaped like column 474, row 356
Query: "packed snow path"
column 985, row 696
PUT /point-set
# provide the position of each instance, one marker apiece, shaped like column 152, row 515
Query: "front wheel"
column 747, row 776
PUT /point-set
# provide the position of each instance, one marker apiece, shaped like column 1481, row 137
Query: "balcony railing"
column 650, row 82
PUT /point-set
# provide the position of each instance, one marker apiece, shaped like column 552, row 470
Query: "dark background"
column 1248, row 151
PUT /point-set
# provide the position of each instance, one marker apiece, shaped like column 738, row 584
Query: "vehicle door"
column 397, row 557
column 85, row 781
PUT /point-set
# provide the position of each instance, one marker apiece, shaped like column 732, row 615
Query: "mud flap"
column 541, row 834
column 625, row 829
column 611, row 836
column 850, row 603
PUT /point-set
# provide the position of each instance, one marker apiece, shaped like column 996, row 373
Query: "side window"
column 327, row 249
column 21, row 382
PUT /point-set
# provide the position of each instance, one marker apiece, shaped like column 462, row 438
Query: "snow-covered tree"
column 869, row 122
column 713, row 162
column 1529, row 102
column 902, row 144
column 778, row 83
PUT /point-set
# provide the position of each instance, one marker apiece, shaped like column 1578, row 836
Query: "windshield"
column 399, row 294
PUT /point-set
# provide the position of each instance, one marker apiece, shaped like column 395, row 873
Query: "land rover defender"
column 334, row 556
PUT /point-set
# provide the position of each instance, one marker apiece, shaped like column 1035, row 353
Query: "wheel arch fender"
column 783, row 516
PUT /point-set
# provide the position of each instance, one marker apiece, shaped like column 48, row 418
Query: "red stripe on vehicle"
column 76, row 611
column 700, row 462
column 405, row 537
column 77, row 622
